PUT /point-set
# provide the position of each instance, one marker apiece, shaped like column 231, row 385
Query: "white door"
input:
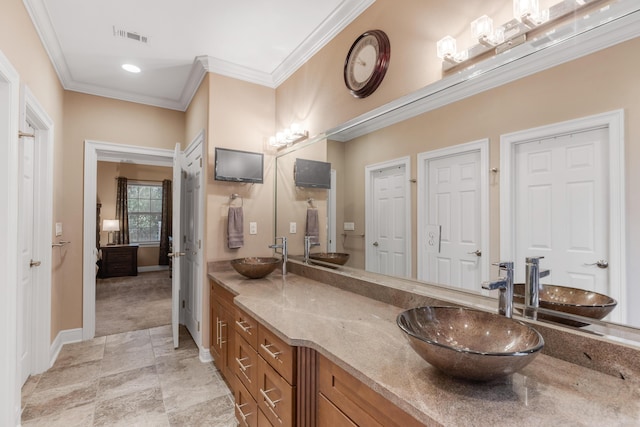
column 27, row 263
column 192, row 267
column 454, row 207
column 561, row 208
column 178, row 245
column 388, row 250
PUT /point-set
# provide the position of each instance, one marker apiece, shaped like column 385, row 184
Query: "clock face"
column 367, row 63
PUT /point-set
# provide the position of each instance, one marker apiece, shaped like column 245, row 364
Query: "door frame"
column 614, row 122
column 424, row 159
column 369, row 207
column 34, row 113
column 110, row 152
column 9, row 126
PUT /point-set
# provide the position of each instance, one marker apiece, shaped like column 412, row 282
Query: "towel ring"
column 236, row 196
column 310, row 202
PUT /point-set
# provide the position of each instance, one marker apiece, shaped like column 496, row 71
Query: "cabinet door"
column 361, row 404
column 276, row 396
column 214, row 330
column 226, row 341
column 330, row 416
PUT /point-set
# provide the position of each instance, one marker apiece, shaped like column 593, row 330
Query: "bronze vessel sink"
column 470, row 344
column 569, row 300
column 330, row 257
column 255, row 267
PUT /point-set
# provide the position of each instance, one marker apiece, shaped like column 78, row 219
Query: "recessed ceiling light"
column 131, row 68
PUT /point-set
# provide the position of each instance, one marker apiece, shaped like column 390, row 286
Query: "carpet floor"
column 133, row 303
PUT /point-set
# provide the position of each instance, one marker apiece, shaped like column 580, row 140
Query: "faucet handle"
column 504, row 265
column 501, row 284
column 533, row 259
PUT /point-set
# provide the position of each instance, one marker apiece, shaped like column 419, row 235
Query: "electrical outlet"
column 253, row 228
column 293, row 228
column 349, row 226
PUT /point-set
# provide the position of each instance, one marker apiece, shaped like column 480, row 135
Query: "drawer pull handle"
column 242, row 366
column 222, row 325
column 272, row 403
column 242, row 414
column 218, row 332
column 246, row 329
column 269, row 352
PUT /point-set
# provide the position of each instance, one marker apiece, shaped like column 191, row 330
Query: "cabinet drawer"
column 277, row 353
column 247, row 327
column 246, row 407
column 275, row 395
column 263, row 421
column 357, row 401
column 330, row 416
column 245, row 365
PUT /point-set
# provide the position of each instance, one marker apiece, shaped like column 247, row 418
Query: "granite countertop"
column 360, row 335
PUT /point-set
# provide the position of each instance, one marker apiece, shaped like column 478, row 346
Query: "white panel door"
column 454, row 204
column 178, row 243
column 389, row 222
column 192, row 271
column 561, row 207
column 27, row 263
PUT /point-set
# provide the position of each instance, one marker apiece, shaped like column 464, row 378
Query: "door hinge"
column 184, row 238
column 200, row 161
column 184, row 173
column 198, row 326
column 199, row 244
column 182, row 303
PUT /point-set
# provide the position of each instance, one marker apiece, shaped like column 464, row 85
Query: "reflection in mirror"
column 601, row 82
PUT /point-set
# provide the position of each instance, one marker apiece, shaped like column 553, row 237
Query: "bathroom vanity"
column 303, row 350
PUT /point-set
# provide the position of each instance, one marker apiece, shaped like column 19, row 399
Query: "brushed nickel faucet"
column 285, row 256
column 308, row 244
column 505, row 285
column 532, row 286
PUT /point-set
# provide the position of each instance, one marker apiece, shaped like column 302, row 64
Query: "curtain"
column 122, row 213
column 167, row 218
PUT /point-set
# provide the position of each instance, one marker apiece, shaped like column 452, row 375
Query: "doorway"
column 388, row 217
column 453, row 212
column 562, row 197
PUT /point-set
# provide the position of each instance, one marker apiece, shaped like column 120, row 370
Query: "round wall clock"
column 367, row 63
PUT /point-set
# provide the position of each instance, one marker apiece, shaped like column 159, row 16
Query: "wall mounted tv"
column 238, row 166
column 312, row 173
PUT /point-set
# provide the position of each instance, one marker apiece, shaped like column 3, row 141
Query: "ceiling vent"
column 118, row 32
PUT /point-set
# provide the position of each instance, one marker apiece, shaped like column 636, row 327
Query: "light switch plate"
column 58, row 229
column 349, row 226
column 293, row 228
column 253, row 228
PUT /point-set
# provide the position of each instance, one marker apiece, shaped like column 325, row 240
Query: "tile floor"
column 129, row 379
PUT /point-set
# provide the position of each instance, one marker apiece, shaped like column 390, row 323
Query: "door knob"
column 477, row 252
column 376, row 244
column 33, row 263
column 176, row 254
column 600, row 264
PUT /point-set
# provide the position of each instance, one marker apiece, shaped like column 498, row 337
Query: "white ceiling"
column 260, row 41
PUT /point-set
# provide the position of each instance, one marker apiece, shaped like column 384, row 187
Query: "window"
column 145, row 212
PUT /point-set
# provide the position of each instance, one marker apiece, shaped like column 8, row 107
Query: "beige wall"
column 107, row 189
column 21, row 45
column 90, row 117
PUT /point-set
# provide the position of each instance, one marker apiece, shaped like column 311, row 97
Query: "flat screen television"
column 238, row 166
column 312, row 173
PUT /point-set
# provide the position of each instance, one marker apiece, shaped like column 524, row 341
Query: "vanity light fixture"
column 131, row 68
column 527, row 17
column 289, row 136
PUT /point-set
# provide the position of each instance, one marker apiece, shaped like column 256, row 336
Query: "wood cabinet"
column 119, row 260
column 343, row 400
column 222, row 331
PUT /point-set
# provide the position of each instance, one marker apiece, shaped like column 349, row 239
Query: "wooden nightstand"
column 119, row 260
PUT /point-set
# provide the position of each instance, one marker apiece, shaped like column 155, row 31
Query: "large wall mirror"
column 542, row 163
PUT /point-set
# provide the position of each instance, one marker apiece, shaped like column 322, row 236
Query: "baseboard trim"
column 205, row 355
column 64, row 337
column 148, row 268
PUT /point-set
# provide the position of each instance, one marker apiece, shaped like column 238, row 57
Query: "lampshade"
column 110, row 225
